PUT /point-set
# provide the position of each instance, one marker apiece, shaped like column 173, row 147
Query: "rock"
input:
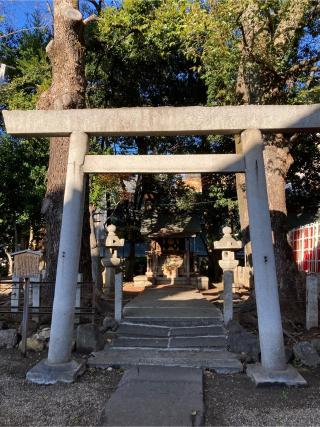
column 32, row 327
column 33, row 344
column 243, row 342
column 288, row 354
column 306, row 354
column 3, row 325
column 234, row 327
column 43, row 334
column 315, row 342
column 8, row 338
column 108, row 323
column 89, row 338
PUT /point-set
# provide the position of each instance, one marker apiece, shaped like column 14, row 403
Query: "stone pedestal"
column 48, row 373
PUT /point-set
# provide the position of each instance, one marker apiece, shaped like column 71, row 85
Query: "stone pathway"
column 169, row 326
column 168, row 334
column 156, row 396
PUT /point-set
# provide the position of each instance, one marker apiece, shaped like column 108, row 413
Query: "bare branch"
column 304, row 64
column 90, row 19
column 3, row 36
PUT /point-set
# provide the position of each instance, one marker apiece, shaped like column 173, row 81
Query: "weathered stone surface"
column 108, row 324
column 243, row 342
column 223, row 362
column 43, row 334
column 32, row 327
column 316, row 344
column 131, row 329
column 289, row 354
column 33, row 344
column 8, row 338
column 164, row 120
column 306, row 354
column 3, row 325
column 145, row 395
column 89, row 338
column 46, row 373
column 288, row 376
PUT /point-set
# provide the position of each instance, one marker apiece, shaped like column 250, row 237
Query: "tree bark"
column 278, row 160
column 66, row 53
column 276, row 154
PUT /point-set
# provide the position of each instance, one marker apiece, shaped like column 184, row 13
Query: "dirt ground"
column 26, row 404
column 231, row 400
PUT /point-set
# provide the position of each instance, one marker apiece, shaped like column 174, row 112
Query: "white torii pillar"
column 59, row 367
column 273, row 368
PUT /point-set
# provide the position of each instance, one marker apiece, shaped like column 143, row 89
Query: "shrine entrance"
column 170, row 258
column 248, row 121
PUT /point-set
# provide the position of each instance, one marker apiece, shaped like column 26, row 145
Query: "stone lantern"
column 111, row 260
column 228, row 263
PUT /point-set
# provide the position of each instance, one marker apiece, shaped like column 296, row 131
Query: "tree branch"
column 304, row 64
column 3, row 36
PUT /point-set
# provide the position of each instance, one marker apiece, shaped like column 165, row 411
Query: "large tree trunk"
column 66, row 53
column 277, row 163
column 243, row 207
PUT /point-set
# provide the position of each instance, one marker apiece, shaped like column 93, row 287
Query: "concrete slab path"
column 156, row 396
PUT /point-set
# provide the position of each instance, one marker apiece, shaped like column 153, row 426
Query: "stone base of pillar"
column 263, row 377
column 46, row 373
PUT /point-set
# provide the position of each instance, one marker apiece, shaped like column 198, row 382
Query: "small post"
column 15, row 294
column 24, row 328
column 35, row 298
column 227, row 296
column 312, row 301
column 78, row 298
column 118, row 297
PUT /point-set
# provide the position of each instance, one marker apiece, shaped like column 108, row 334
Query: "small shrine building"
column 170, row 259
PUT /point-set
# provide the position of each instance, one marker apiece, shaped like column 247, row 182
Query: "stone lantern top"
column 227, row 242
column 112, row 240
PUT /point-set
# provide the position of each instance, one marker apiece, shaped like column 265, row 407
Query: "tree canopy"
column 174, row 52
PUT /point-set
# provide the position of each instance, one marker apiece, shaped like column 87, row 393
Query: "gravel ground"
column 231, row 400
column 26, row 404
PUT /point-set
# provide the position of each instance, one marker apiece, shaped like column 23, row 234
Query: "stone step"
column 202, row 312
column 173, row 322
column 215, row 329
column 222, row 362
column 145, row 330
column 174, row 342
column 142, row 330
column 135, row 342
column 198, row 342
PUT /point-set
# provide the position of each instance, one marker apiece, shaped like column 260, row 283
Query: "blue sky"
column 16, row 12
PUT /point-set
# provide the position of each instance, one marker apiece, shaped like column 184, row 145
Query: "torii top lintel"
column 164, row 120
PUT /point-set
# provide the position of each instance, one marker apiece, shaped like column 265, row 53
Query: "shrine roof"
column 171, row 225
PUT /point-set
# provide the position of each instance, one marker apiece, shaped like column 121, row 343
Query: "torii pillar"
column 273, row 368
column 59, row 367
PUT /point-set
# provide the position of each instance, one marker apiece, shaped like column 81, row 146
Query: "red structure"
column 305, row 242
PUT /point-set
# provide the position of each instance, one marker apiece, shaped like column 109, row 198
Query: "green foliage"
column 29, row 72
column 23, row 162
column 22, row 177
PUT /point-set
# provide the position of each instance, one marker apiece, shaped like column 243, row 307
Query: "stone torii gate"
column 249, row 121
